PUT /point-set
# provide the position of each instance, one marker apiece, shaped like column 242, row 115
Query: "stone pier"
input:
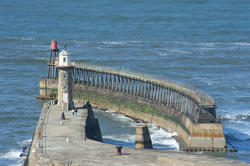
column 64, row 143
column 171, row 105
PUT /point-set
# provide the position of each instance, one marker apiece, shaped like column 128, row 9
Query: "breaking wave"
column 15, row 154
column 161, row 139
column 244, row 116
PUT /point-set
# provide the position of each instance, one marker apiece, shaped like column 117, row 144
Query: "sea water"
column 204, row 43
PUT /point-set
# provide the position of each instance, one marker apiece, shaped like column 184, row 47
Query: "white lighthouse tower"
column 64, row 67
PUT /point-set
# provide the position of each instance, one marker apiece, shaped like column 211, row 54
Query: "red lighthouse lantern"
column 53, row 45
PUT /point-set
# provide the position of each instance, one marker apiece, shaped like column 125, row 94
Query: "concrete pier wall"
column 191, row 134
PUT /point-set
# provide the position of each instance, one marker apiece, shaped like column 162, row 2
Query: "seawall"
column 192, row 136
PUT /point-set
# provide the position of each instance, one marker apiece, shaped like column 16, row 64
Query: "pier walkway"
column 80, row 152
column 52, row 147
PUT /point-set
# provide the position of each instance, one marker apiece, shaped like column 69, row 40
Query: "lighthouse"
column 64, row 67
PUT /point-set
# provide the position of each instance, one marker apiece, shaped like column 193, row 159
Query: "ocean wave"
column 162, row 137
column 237, row 134
column 79, row 42
column 215, row 44
column 110, row 111
column 206, row 80
column 23, row 38
column 111, row 42
column 208, row 44
column 163, row 54
column 244, row 116
column 241, row 44
column 123, row 118
column 13, row 154
column 121, row 43
column 121, row 137
column 17, row 39
column 28, row 60
column 202, row 45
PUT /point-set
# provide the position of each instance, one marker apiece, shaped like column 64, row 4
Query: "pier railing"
column 182, row 97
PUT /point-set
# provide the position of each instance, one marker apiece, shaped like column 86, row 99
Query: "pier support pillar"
column 142, row 138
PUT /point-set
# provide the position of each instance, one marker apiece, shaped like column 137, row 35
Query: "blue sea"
column 204, row 43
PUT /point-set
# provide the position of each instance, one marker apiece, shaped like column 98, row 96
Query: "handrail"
column 200, row 97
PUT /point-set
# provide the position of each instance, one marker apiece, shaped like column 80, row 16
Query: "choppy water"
column 125, row 127
column 205, row 43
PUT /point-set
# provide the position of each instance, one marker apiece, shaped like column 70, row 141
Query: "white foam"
column 22, row 38
column 112, row 42
column 208, row 44
column 109, row 111
column 163, row 54
column 162, row 137
column 241, row 44
column 79, row 42
column 236, row 121
column 21, row 164
column 136, row 41
column 123, row 117
column 235, row 115
column 41, row 59
column 11, row 155
column 121, row 137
